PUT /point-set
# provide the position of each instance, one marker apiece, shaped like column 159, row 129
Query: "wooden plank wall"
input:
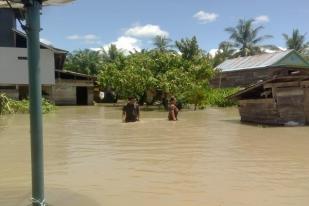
column 259, row 111
column 306, row 104
column 90, row 95
column 290, row 104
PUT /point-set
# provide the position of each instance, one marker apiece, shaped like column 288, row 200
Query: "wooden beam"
column 282, row 84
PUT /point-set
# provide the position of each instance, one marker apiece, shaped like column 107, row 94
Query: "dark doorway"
column 23, row 92
column 81, row 96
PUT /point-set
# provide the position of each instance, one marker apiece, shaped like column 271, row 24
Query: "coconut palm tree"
column 112, row 53
column 225, row 51
column 162, row 43
column 245, row 38
column 189, row 48
column 296, row 41
column 84, row 61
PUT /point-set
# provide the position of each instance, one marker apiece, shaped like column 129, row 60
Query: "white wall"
column 15, row 71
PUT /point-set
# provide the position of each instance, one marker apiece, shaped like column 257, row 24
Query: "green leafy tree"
column 134, row 78
column 196, row 95
column 189, row 48
column 84, row 61
column 144, row 73
column 246, row 39
column 296, row 41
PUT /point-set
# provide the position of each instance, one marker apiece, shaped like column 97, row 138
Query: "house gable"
column 292, row 59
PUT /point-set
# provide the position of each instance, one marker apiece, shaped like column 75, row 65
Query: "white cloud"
column 261, row 19
column 96, row 49
column 146, row 31
column 272, row 51
column 205, row 17
column 213, row 52
column 87, row 39
column 73, row 37
column 45, row 41
column 125, row 43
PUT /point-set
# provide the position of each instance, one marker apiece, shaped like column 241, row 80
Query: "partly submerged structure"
column 243, row 71
column 59, row 86
column 278, row 101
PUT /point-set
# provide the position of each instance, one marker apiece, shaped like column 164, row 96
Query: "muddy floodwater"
column 206, row 158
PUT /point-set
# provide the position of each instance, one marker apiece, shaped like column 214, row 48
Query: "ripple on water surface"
column 205, row 158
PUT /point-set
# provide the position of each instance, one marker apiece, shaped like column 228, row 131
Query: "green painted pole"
column 33, row 8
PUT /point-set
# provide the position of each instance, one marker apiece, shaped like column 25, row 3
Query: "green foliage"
column 225, row 51
column 218, row 97
column 196, row 95
column 162, row 43
column 245, row 38
column 5, row 106
column 296, row 41
column 112, row 54
column 155, row 70
column 10, row 106
column 189, row 48
column 84, row 61
column 134, row 78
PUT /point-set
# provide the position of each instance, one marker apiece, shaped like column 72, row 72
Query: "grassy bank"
column 10, row 106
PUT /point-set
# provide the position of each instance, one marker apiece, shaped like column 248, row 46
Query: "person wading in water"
column 130, row 112
column 172, row 110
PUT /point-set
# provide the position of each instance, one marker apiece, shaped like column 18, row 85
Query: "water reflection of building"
column 59, row 86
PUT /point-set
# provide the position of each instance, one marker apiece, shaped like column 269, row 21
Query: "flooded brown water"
column 206, row 158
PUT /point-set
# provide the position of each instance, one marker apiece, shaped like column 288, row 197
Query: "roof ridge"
column 51, row 47
column 255, row 61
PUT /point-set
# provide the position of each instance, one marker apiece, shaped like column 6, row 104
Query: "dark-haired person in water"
column 130, row 112
column 172, row 110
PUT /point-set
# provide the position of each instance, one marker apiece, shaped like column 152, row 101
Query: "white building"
column 59, row 86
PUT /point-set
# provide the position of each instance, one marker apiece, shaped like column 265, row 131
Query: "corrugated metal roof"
column 250, row 62
column 3, row 3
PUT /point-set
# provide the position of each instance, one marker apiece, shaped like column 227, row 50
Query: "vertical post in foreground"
column 33, row 8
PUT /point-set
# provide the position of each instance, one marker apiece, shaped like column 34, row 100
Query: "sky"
column 132, row 24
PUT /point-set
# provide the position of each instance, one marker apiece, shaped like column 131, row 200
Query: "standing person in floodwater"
column 130, row 112
column 172, row 110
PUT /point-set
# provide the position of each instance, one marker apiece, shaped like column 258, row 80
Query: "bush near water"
column 11, row 106
column 219, row 97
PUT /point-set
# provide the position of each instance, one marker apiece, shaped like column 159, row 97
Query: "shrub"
column 218, row 97
column 10, row 106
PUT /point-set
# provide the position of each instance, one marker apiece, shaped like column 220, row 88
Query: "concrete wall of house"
column 20, row 92
column 90, row 95
column 14, row 66
column 8, row 22
column 64, row 91
column 243, row 78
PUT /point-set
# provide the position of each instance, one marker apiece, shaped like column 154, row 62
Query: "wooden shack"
column 278, row 101
column 243, row 71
